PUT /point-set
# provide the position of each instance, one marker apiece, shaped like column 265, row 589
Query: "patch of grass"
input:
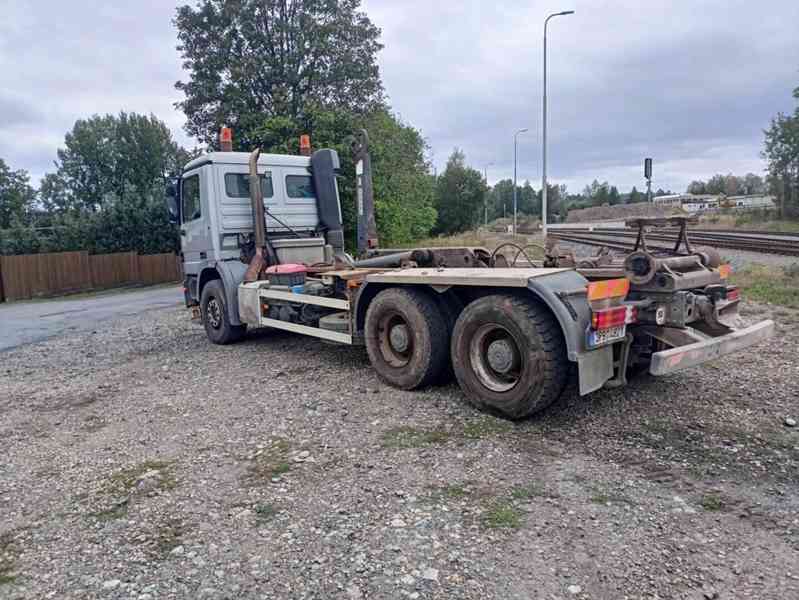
column 769, row 284
column 265, row 512
column 486, row 426
column 712, row 502
column 117, row 511
column 501, row 514
column 411, row 437
column 126, row 481
column 169, row 536
column 8, row 557
column 531, row 490
column 455, row 491
column 609, row 497
column 272, row 461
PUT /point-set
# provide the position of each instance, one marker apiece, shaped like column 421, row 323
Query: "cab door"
column 195, row 231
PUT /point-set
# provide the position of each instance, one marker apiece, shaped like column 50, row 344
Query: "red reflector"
column 733, row 294
column 612, row 317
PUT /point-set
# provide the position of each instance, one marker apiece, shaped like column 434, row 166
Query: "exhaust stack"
column 367, row 227
column 259, row 260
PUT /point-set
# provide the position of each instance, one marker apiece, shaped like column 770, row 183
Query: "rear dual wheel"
column 507, row 352
column 509, row 355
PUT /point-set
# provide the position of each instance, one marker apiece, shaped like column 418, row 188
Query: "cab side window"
column 190, row 197
column 237, row 185
column 299, row 186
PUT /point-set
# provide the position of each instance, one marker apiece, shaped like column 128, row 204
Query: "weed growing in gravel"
column 168, row 537
column 272, row 461
column 456, row 491
column 485, row 426
column 532, row 490
column 117, row 511
column 8, row 557
column 501, row 514
column 265, row 513
column 604, row 496
column 712, row 502
column 411, row 437
column 158, row 473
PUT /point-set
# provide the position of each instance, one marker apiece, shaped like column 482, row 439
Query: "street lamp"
column 485, row 198
column 515, row 146
column 544, row 169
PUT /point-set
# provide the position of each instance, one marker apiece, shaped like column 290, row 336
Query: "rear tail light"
column 733, row 293
column 613, row 317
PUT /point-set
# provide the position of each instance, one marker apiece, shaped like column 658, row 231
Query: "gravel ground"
column 139, row 461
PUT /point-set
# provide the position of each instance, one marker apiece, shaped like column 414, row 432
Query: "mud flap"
column 595, row 368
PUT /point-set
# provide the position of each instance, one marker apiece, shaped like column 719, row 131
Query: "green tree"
column 613, row 195
column 125, row 157
column 107, row 192
column 501, row 199
column 249, row 60
column 16, row 196
column 635, row 196
column 781, row 151
column 459, row 195
column 403, row 187
column 696, row 187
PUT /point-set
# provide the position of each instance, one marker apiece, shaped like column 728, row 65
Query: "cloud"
column 691, row 84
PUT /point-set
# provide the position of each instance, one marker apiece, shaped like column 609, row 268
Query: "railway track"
column 783, row 243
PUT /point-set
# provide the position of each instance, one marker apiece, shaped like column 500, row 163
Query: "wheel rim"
column 495, row 358
column 395, row 339
column 213, row 312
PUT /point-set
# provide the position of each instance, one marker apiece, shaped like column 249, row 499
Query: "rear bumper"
column 690, row 355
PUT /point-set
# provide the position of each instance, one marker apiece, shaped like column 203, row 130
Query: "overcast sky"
column 690, row 83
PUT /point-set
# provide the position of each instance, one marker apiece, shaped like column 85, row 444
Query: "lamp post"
column 515, row 148
column 485, row 197
column 544, row 167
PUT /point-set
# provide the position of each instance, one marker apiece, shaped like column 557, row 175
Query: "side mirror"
column 172, row 204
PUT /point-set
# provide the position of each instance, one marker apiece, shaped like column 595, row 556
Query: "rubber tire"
column 450, row 306
column 542, row 351
column 430, row 338
column 226, row 333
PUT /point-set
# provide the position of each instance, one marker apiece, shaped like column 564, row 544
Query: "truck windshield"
column 237, row 185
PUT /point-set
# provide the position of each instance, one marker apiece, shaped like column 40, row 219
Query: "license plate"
column 603, row 336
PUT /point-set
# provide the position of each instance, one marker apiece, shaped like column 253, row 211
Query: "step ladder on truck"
column 263, row 246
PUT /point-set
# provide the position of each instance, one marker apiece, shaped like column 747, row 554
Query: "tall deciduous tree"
column 123, row 158
column 781, row 150
column 460, row 190
column 250, row 60
column 16, row 196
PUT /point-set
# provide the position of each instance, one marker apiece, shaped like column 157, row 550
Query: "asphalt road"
column 27, row 322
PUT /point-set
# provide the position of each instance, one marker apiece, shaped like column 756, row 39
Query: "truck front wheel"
column 509, row 355
column 407, row 338
column 213, row 305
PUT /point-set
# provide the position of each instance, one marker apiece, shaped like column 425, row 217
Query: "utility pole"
column 485, row 197
column 544, row 169
column 515, row 147
column 648, row 176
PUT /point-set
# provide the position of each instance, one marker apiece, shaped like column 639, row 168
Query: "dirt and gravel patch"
column 139, row 461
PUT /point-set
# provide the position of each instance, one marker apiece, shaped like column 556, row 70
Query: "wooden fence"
column 33, row 275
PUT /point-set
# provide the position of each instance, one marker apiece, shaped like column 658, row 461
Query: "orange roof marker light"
column 305, row 144
column 609, row 288
column 226, row 139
